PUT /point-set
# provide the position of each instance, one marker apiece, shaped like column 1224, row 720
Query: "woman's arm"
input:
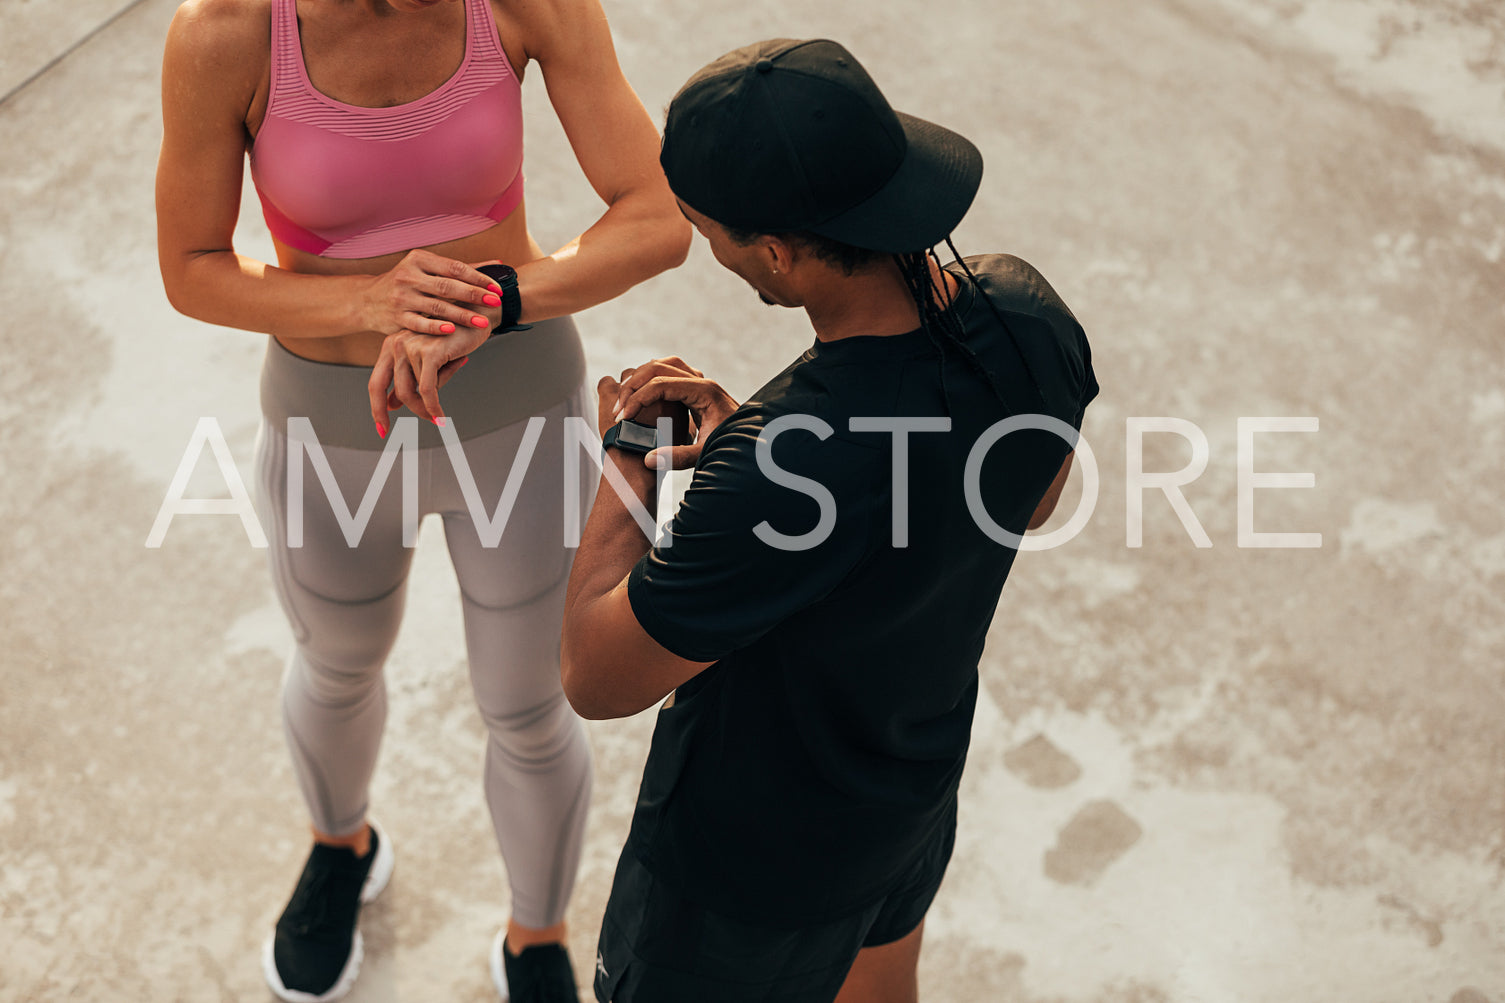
column 642, row 231
column 214, row 62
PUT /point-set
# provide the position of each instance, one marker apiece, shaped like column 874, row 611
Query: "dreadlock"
column 944, row 327
column 940, row 323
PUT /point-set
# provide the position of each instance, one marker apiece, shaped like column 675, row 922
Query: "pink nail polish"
column 478, row 321
column 446, row 329
column 493, row 300
column 495, row 288
column 439, row 422
column 381, row 430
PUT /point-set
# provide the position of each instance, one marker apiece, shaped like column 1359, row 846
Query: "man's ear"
column 781, row 254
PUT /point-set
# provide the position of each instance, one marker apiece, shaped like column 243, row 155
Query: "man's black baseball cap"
column 789, row 135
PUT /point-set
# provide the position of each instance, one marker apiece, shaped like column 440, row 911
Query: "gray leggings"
column 345, row 603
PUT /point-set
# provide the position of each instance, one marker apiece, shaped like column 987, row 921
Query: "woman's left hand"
column 412, row 367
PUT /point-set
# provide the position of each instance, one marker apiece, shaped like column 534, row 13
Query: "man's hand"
column 643, row 393
column 609, row 665
column 609, row 393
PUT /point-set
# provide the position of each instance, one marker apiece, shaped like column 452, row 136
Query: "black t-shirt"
column 794, row 780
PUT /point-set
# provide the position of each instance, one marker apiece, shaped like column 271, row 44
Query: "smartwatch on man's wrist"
column 631, row 437
column 505, row 276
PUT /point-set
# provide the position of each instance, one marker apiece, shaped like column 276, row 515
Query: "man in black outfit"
column 820, row 609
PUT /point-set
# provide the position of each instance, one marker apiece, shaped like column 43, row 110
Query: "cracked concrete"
column 1262, row 775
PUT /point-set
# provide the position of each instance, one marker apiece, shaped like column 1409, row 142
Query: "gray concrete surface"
column 40, row 32
column 1217, row 774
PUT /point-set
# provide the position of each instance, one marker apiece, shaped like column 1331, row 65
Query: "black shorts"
column 656, row 947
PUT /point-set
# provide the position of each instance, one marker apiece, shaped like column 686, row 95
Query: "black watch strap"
column 631, row 436
column 505, row 276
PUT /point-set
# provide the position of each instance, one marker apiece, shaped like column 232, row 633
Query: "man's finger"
column 640, row 376
column 676, row 362
column 679, row 457
column 684, row 389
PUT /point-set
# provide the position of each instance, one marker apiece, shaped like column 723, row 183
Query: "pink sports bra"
column 343, row 181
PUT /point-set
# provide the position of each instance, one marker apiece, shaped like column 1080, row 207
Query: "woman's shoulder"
column 538, row 23
column 220, row 49
column 222, row 29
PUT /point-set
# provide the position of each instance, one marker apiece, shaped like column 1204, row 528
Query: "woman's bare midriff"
column 445, row 47
column 508, row 241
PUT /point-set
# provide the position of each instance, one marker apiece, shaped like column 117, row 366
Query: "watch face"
column 501, row 273
column 633, row 435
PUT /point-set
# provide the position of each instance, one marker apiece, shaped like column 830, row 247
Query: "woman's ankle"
column 358, row 841
column 520, row 938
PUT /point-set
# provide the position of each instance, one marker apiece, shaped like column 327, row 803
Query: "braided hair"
column 944, row 327
column 933, row 303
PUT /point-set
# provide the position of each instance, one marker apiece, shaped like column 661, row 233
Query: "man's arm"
column 609, row 665
column 708, row 594
column 1052, row 494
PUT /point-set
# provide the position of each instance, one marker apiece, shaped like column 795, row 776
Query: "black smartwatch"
column 512, row 301
column 631, row 436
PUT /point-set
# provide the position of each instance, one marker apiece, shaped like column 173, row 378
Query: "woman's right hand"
column 427, row 293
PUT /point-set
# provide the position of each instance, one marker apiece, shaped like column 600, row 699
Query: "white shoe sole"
column 342, row 985
column 376, row 880
column 498, row 970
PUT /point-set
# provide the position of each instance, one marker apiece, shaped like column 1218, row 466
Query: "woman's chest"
column 384, row 62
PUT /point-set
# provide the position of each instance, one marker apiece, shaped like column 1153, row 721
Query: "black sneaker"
column 316, row 951
column 541, row 974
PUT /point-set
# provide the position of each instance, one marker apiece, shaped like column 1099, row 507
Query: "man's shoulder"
column 1020, row 302
column 1013, row 314
column 1017, row 286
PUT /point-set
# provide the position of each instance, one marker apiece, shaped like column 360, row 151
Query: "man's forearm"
column 609, row 666
column 612, row 541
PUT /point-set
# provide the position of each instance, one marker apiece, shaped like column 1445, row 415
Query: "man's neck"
column 874, row 303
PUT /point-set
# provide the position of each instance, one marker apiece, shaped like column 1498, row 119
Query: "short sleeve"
column 719, row 586
column 1090, row 388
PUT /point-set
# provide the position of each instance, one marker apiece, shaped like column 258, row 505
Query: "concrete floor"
column 1220, row 774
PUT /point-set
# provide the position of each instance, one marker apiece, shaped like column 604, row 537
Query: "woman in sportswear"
column 385, row 142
